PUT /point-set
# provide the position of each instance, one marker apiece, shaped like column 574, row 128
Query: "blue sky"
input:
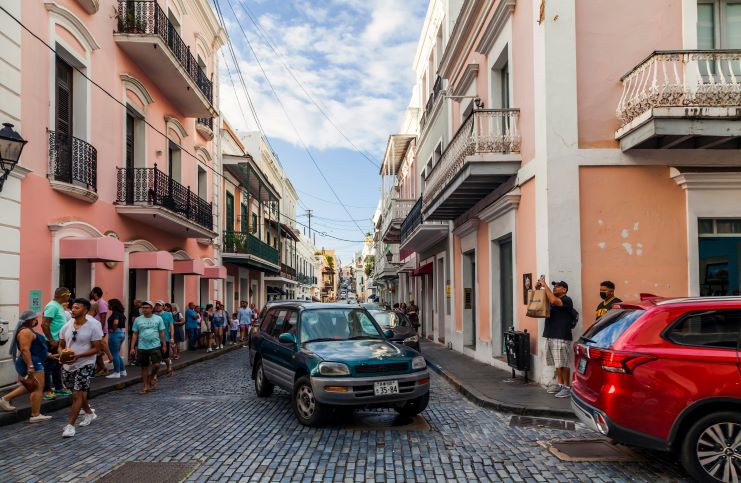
column 354, row 58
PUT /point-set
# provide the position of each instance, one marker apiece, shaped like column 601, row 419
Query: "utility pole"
column 308, row 214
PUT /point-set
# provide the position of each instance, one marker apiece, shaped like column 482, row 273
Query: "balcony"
column 394, row 212
column 287, row 272
column 385, row 268
column 434, row 96
column 147, row 36
column 73, row 167
column 483, row 153
column 152, row 197
column 418, row 235
column 246, row 249
column 205, row 127
column 682, row 99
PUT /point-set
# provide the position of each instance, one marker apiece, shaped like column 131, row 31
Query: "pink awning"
column 151, row 261
column 101, row 249
column 217, row 272
column 188, row 267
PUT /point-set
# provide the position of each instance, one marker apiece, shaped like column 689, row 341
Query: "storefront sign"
column 448, row 290
column 34, row 297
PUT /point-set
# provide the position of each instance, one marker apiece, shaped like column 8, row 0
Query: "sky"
column 351, row 58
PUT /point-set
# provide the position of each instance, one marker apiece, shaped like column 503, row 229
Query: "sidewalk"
column 101, row 385
column 491, row 387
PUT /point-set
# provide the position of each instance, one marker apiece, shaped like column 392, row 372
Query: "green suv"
column 335, row 355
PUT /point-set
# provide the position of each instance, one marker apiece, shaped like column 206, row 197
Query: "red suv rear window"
column 612, row 325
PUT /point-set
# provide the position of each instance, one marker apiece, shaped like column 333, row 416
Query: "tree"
column 369, row 263
column 330, row 261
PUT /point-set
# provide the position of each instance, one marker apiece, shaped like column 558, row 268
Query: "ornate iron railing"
column 249, row 244
column 412, row 221
column 146, row 17
column 287, row 272
column 206, row 121
column 153, row 187
column 73, row 161
column 681, row 78
column 395, row 209
column 484, row 131
column 436, row 88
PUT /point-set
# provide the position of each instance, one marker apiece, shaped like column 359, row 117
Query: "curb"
column 22, row 414
column 479, row 399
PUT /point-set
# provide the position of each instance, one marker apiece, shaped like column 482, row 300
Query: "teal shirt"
column 169, row 321
column 148, row 330
column 55, row 312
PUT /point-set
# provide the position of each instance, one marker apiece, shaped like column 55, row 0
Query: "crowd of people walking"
column 78, row 339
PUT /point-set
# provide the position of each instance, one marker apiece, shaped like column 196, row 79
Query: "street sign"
column 34, row 297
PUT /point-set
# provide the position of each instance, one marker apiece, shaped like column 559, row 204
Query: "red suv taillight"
column 615, row 361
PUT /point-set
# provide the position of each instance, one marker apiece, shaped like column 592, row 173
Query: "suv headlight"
column 333, row 369
column 419, row 363
column 412, row 340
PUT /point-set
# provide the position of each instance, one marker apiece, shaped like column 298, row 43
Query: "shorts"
column 179, row 335
column 557, row 352
column 166, row 352
column 148, row 357
column 217, row 325
column 79, row 379
column 22, row 369
column 243, row 326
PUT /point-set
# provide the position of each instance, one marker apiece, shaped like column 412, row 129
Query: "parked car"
column 666, row 374
column 400, row 325
column 335, row 355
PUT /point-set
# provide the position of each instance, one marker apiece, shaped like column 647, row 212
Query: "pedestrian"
column 133, row 314
column 192, row 325
column 34, row 350
column 52, row 322
column 206, row 316
column 233, row 329
column 148, row 345
column 244, row 315
column 413, row 312
column 80, row 343
column 204, row 335
column 179, row 320
column 99, row 310
column 218, row 323
column 116, row 336
column 607, row 294
column 557, row 334
column 167, row 319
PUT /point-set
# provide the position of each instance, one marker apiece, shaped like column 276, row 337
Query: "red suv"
column 665, row 374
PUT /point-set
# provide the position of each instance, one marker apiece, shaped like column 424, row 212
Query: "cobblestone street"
column 208, row 413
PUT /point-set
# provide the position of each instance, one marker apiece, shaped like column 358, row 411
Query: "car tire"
column 703, row 437
column 307, row 409
column 414, row 406
column 263, row 387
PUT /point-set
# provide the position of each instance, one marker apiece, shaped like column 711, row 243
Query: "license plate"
column 384, row 388
column 582, row 367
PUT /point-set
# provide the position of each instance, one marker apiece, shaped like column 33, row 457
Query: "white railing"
column 382, row 264
column 681, row 78
column 483, row 132
column 394, row 210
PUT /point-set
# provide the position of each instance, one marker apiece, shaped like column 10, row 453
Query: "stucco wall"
column 525, row 261
column 633, row 232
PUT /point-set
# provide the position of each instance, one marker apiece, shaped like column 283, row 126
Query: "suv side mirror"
column 287, row 338
column 388, row 333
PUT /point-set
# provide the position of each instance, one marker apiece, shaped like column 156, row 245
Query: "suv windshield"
column 390, row 319
column 612, row 325
column 338, row 324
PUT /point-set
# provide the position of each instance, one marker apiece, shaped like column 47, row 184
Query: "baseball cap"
column 560, row 283
column 28, row 315
column 148, row 302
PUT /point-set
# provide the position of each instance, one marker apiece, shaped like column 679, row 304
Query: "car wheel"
column 308, row 410
column 414, row 406
column 711, row 451
column 263, row 388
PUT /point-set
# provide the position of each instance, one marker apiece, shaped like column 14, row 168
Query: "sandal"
column 169, row 373
column 141, row 392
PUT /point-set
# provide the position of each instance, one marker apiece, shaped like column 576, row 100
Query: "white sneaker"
column 209, row 350
column 39, row 419
column 124, row 373
column 88, row 418
column 162, row 363
column 5, row 405
column 113, row 375
column 69, row 431
column 82, row 412
column 555, row 389
column 565, row 392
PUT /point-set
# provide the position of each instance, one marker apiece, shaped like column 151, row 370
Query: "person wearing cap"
column 169, row 321
column 607, row 294
column 33, row 350
column 557, row 334
column 52, row 322
column 148, row 344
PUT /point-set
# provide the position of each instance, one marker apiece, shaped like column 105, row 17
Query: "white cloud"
column 353, row 56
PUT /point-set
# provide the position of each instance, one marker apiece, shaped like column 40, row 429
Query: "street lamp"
column 11, row 145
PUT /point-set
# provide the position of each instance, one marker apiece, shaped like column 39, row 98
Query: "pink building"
column 585, row 141
column 117, row 101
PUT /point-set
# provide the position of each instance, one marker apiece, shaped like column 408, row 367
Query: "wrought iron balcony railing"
column 73, row 161
column 681, row 78
column 287, row 272
column 249, row 244
column 206, row 121
column 484, row 131
column 151, row 186
column 436, row 88
column 147, row 17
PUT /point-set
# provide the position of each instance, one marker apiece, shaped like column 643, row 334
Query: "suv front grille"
column 382, row 368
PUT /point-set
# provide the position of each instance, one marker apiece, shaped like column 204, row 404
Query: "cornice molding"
column 137, row 87
column 469, row 76
column 502, row 206
column 75, row 22
column 504, row 10
column 469, row 21
column 172, row 122
column 90, row 6
column 466, row 228
column 707, row 180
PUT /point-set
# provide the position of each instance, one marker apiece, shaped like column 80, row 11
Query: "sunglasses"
column 74, row 336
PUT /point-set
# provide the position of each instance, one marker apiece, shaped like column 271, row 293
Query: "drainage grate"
column 151, row 472
column 530, row 422
column 589, row 450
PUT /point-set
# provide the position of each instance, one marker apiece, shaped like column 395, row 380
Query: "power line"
column 334, row 202
column 288, row 117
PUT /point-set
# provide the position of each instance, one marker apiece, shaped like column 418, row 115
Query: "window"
column 714, row 328
column 718, row 24
column 719, row 226
column 610, row 327
column 173, row 161
column 202, row 183
column 279, row 322
column 229, row 212
column 244, row 219
column 254, row 223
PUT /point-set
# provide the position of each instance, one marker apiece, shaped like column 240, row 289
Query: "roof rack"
column 730, row 298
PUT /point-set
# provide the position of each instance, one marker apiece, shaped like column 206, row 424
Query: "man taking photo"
column 557, row 334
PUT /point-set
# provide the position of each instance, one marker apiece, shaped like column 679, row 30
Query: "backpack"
column 574, row 317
